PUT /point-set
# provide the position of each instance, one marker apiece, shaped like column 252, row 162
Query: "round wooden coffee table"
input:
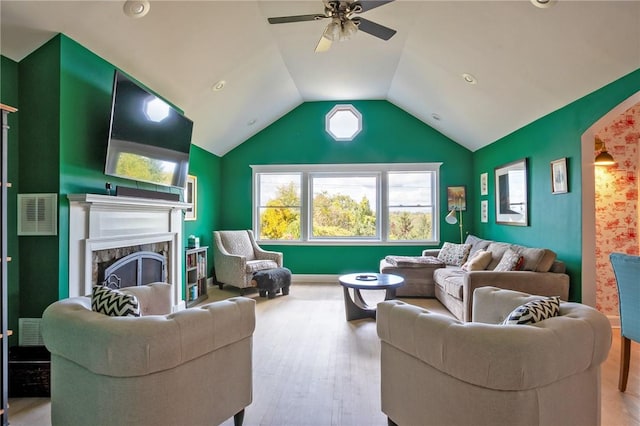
column 356, row 307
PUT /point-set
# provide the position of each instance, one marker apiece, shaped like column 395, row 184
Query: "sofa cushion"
column 114, row 303
column 509, row 262
column 413, row 261
column 258, row 265
column 478, row 262
column 450, row 280
column 497, row 251
column 534, row 311
column 454, row 254
column 547, row 261
column 532, row 256
column 477, row 244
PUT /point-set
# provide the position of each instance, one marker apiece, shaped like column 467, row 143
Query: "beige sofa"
column 541, row 274
column 192, row 367
column 436, row 370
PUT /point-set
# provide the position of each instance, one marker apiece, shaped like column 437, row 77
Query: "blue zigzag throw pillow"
column 114, row 303
column 534, row 311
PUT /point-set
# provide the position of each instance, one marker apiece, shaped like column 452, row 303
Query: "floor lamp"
column 452, row 219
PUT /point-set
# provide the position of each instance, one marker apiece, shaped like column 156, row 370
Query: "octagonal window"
column 343, row 122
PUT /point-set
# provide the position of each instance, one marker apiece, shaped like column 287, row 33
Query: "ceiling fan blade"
column 324, row 44
column 377, row 30
column 297, row 18
column 372, row 4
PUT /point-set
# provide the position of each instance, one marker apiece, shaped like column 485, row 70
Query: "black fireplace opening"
column 136, row 269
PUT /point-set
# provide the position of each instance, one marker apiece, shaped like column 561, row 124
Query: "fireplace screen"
column 136, row 269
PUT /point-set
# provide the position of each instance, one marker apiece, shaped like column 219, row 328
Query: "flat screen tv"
column 149, row 140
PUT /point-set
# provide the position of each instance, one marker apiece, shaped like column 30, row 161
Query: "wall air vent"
column 37, row 214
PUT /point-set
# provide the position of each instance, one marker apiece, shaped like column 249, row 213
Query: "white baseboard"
column 314, row 278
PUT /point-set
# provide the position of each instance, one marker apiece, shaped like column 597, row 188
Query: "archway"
column 588, row 199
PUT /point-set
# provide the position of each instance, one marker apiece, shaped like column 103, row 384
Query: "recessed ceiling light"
column 436, row 117
column 136, row 8
column 543, row 4
column 469, row 78
column 218, row 86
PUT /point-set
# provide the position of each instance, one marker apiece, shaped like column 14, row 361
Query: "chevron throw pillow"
column 534, row 311
column 114, row 303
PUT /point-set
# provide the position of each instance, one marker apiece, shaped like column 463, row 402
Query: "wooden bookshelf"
column 196, row 275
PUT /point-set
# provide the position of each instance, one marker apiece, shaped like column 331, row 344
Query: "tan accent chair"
column 192, row 367
column 237, row 256
column 437, row 370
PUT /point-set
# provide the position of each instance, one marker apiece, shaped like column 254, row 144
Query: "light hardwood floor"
column 312, row 367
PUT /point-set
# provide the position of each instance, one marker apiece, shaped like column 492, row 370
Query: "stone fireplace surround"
column 102, row 222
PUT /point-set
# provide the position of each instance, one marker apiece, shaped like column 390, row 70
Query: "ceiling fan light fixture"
column 349, row 29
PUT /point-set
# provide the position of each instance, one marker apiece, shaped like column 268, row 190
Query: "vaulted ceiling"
column 527, row 61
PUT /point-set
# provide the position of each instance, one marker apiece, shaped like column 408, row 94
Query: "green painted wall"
column 9, row 96
column 206, row 167
column 555, row 220
column 389, row 135
column 39, row 171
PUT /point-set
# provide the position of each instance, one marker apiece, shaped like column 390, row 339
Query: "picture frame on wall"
column 484, row 211
column 512, row 194
column 484, row 184
column 191, row 197
column 559, row 178
column 457, row 198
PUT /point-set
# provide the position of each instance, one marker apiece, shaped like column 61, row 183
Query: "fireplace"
column 110, row 227
column 149, row 260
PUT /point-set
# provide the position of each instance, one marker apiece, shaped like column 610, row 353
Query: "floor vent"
column 29, row 332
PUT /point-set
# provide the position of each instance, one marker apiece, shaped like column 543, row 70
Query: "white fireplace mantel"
column 99, row 222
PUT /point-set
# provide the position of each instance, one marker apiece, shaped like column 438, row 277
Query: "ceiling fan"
column 344, row 24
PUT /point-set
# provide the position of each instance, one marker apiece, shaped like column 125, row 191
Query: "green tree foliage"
column 142, row 168
column 280, row 220
column 408, row 226
column 341, row 216
column 337, row 216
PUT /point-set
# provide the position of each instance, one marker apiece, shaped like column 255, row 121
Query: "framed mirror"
column 511, row 194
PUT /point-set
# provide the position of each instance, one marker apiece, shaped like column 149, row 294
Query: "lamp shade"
column 451, row 218
column 604, row 159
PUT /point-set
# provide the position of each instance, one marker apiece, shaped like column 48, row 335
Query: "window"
column 346, row 203
column 279, row 206
column 343, row 206
column 343, row 122
column 411, row 207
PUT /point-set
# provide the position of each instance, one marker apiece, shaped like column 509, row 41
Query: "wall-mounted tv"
column 149, row 140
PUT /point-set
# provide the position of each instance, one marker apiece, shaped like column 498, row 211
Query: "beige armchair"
column 192, row 367
column 436, row 370
column 237, row 256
